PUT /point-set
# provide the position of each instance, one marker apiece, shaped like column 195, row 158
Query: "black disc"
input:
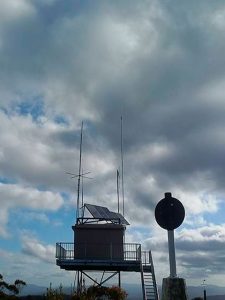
column 169, row 212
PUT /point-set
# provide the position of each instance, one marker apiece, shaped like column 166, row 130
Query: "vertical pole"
column 172, row 256
column 78, row 282
column 79, row 174
column 204, row 291
column 204, row 294
column 119, row 278
column 118, row 192
column 121, row 150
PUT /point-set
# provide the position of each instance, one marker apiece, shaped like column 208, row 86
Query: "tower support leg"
column 119, row 279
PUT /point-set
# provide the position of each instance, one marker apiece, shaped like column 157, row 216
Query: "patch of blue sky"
column 218, row 217
column 11, row 244
column 60, row 119
column 62, row 9
column 47, row 227
column 66, row 196
column 7, row 180
column 33, row 107
column 66, row 216
column 144, row 232
column 90, row 128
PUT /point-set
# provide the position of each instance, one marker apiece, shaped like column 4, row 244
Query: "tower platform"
column 131, row 260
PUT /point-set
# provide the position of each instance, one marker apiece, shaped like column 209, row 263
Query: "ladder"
column 149, row 287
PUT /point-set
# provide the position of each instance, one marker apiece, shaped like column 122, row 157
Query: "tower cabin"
column 99, row 245
column 101, row 236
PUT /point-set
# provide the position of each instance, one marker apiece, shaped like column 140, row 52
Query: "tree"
column 9, row 291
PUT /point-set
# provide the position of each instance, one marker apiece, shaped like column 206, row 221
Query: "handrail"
column 126, row 251
column 153, row 276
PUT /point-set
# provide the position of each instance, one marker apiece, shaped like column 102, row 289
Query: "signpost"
column 169, row 214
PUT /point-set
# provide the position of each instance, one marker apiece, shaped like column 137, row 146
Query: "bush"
column 100, row 292
column 54, row 294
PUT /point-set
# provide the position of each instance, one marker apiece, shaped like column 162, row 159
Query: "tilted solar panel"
column 101, row 212
column 98, row 211
column 122, row 219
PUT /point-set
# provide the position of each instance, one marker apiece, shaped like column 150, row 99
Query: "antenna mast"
column 121, row 150
column 118, row 189
column 82, row 189
column 79, row 174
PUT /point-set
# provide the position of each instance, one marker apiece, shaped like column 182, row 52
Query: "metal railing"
column 65, row 250
column 127, row 252
column 146, row 257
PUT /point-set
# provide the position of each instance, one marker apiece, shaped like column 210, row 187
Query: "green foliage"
column 9, row 291
column 116, row 293
column 100, row 292
column 54, row 294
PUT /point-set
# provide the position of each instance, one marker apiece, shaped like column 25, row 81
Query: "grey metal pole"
column 204, row 291
column 172, row 256
column 119, row 279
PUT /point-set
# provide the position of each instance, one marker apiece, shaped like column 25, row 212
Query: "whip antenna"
column 121, row 150
column 79, row 173
column 118, row 189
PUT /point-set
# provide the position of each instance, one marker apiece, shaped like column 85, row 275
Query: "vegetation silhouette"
column 54, row 294
column 10, row 291
column 91, row 293
column 96, row 292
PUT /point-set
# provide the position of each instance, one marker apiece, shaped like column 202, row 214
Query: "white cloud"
column 41, row 217
column 35, row 248
column 31, row 153
column 14, row 196
column 12, row 10
column 218, row 18
column 21, row 265
column 3, row 221
column 207, row 233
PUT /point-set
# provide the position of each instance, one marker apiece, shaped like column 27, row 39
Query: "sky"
column 160, row 64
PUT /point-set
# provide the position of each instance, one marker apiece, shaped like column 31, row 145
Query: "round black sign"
column 169, row 212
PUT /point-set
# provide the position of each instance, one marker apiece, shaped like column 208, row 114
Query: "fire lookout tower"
column 99, row 245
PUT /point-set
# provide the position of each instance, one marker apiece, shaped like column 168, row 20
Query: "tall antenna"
column 118, row 189
column 82, row 185
column 80, row 176
column 121, row 150
column 79, row 173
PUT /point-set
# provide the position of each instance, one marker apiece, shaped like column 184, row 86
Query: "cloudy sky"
column 161, row 65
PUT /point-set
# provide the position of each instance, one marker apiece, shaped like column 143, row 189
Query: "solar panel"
column 122, row 219
column 101, row 212
column 98, row 211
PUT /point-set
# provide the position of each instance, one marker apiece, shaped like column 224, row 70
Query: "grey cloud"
column 206, row 246
column 150, row 61
column 154, row 86
column 36, row 249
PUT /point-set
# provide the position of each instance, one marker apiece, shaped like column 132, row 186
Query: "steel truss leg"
column 119, row 279
column 79, row 282
column 102, row 281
